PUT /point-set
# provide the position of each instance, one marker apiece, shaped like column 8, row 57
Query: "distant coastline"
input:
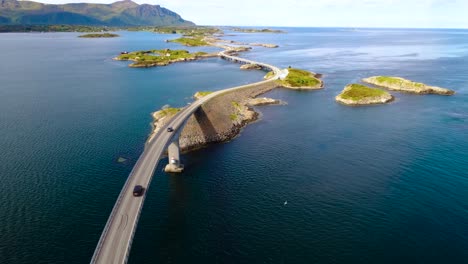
column 99, row 35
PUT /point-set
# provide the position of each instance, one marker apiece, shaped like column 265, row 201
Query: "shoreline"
column 223, row 117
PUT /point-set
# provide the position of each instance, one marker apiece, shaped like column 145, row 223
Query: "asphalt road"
column 116, row 239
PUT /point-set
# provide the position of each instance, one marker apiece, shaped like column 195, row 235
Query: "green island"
column 191, row 31
column 99, row 35
column 190, row 41
column 201, row 94
column 153, row 58
column 358, row 94
column 404, row 85
column 254, row 30
column 301, row 79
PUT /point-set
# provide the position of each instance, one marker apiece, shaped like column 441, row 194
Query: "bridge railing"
column 127, row 182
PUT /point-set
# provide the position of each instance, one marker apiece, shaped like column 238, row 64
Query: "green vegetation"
column 151, row 58
column 269, row 75
column 99, row 35
column 400, row 84
column 188, row 31
column 121, row 13
column 300, row 78
column 170, row 111
column 398, row 81
column 358, row 92
column 236, row 105
column 233, row 117
column 253, row 30
column 203, row 93
column 191, row 42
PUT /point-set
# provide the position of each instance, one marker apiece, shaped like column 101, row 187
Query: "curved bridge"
column 116, row 239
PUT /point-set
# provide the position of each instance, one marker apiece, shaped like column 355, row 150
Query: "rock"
column 270, row 45
column 298, row 79
column 263, row 101
column 404, row 85
column 357, row 94
column 250, row 67
column 264, row 45
column 219, row 120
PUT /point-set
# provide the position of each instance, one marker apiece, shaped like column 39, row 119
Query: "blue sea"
column 312, row 181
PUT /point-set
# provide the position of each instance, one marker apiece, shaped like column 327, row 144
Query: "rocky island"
column 254, row 30
column 404, row 85
column 99, row 35
column 358, row 94
column 190, row 41
column 263, row 101
column 299, row 80
column 153, row 58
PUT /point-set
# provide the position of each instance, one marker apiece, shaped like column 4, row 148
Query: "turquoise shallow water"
column 380, row 184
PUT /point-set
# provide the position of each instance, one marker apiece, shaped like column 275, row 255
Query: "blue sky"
column 317, row 13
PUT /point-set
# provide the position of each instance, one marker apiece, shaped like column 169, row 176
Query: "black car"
column 170, row 129
column 138, row 190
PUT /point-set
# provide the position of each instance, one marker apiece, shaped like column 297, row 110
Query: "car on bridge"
column 138, row 190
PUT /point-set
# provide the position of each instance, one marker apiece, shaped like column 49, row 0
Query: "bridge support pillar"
column 173, row 151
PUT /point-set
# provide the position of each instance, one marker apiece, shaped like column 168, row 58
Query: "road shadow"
column 206, row 126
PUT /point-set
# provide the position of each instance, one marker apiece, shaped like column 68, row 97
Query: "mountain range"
column 121, row 13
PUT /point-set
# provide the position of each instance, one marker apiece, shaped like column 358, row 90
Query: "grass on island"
column 203, row 93
column 190, row 42
column 236, row 104
column 300, row 78
column 191, row 31
column 99, row 35
column 397, row 81
column 358, row 92
column 254, row 30
column 157, row 57
column 233, row 117
column 170, row 111
column 269, row 75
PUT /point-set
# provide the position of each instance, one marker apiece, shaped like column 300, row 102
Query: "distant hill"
column 122, row 13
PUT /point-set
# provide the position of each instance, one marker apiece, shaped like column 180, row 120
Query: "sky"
column 315, row 13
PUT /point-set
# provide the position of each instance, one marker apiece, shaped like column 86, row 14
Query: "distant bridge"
column 116, row 239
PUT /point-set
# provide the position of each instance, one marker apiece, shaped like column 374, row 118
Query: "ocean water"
column 376, row 184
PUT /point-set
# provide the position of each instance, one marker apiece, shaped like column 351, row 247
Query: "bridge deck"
column 116, row 239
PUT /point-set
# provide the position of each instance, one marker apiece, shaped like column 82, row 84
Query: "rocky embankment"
column 357, row 94
column 265, row 45
column 404, row 85
column 219, row 120
column 263, row 101
column 250, row 67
